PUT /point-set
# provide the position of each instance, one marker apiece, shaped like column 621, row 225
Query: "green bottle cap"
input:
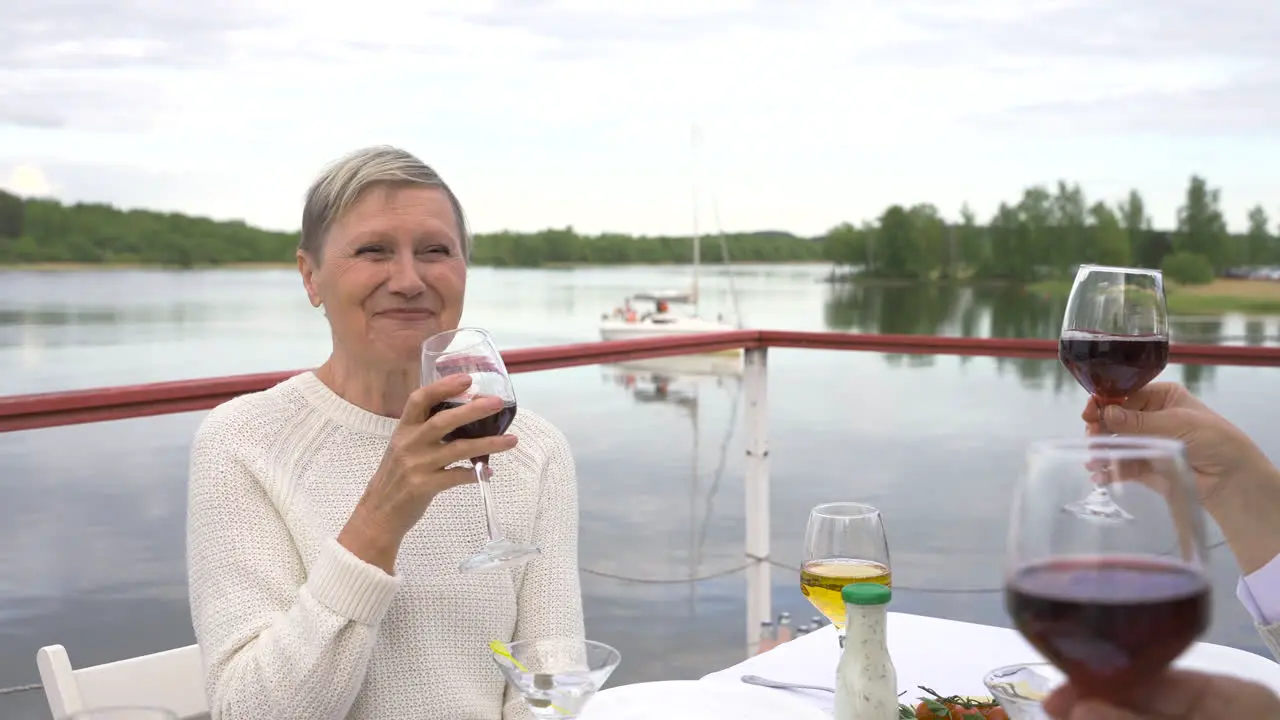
column 866, row 594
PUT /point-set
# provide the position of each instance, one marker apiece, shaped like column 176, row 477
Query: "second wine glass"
column 471, row 351
column 844, row 544
column 1110, row 604
column 1115, row 340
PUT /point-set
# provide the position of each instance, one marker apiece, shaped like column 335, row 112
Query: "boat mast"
column 694, row 137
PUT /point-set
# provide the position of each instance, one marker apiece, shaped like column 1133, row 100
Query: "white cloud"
column 555, row 112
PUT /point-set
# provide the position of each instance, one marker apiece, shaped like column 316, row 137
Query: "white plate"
column 698, row 700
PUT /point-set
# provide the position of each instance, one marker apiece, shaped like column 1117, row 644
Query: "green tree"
column 1201, row 227
column 1069, row 215
column 10, row 216
column 1109, row 242
column 1261, row 250
column 973, row 249
column 900, row 246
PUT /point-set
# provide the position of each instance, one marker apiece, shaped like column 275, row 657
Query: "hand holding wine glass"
column 1115, row 340
column 471, row 352
column 1219, row 452
column 1112, row 604
column 415, row 469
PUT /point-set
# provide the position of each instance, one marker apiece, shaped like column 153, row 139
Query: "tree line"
column 1044, row 234
column 1047, row 232
column 47, row 231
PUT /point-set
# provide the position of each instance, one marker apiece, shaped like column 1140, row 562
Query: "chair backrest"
column 172, row 679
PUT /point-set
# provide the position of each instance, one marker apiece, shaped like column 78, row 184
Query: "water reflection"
column 1003, row 311
column 679, row 382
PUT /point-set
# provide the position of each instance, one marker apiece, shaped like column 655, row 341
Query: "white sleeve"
column 278, row 641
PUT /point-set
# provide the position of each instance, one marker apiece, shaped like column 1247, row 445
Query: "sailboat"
column 651, row 313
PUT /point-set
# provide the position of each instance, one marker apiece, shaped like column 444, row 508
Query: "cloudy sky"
column 578, row 112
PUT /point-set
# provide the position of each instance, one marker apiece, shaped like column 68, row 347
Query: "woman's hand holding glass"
column 1235, row 481
column 416, row 469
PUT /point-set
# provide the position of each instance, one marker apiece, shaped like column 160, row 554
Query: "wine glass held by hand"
column 1115, row 340
column 470, row 352
column 844, row 544
column 1112, row 604
column 327, row 516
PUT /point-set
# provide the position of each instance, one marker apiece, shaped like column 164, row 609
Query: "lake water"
column 92, row 516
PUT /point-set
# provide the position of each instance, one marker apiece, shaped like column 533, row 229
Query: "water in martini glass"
column 557, row 676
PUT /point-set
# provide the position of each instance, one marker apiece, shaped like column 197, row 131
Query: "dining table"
column 950, row 657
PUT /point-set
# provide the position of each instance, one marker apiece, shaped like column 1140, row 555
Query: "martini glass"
column 556, row 676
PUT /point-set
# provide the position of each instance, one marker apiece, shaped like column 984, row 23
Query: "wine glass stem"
column 490, row 512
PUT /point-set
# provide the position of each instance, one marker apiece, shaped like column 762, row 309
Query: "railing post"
column 759, row 577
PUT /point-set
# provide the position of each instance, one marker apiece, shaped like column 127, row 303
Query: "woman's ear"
column 307, row 269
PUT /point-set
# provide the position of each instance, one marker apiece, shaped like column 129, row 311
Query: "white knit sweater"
column 294, row 627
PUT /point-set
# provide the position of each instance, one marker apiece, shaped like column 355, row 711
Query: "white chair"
column 172, row 679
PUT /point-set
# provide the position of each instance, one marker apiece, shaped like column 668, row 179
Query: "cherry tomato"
column 924, row 711
column 997, row 713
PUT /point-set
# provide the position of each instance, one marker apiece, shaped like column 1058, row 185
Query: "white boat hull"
column 612, row 329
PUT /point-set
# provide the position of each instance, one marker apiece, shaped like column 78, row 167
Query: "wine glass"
column 471, row 351
column 844, row 544
column 124, row 713
column 1115, row 340
column 1110, row 604
column 556, row 676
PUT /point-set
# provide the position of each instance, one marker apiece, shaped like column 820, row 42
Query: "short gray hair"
column 342, row 183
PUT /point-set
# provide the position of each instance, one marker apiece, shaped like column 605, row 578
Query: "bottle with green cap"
column 866, row 681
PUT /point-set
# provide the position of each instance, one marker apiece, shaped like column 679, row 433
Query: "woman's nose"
column 405, row 280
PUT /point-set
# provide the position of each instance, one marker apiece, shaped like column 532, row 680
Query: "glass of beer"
column 844, row 544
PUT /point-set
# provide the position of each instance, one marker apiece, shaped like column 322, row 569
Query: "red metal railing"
column 26, row 412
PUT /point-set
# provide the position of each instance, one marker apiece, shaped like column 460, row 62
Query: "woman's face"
column 391, row 274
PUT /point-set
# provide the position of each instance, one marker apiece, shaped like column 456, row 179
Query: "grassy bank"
column 1259, row 297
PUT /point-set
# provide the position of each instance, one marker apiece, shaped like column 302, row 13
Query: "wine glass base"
column 500, row 554
column 1100, row 509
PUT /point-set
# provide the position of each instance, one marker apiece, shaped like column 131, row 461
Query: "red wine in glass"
column 1112, row 605
column 471, row 351
column 1114, row 340
column 1111, row 624
column 1113, row 367
column 491, row 426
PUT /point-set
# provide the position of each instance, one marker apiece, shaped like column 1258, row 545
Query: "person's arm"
column 278, row 641
column 549, row 594
column 1248, row 512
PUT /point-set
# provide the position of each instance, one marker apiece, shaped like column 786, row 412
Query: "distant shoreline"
column 1249, row 297
column 82, row 266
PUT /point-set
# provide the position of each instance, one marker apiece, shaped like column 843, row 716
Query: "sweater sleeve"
column 278, row 641
column 550, row 593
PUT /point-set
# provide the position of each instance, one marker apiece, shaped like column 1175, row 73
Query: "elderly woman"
column 326, row 524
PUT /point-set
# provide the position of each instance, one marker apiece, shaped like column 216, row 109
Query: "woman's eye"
column 367, row 249
column 437, row 250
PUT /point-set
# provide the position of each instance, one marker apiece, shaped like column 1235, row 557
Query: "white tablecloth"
column 951, row 657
